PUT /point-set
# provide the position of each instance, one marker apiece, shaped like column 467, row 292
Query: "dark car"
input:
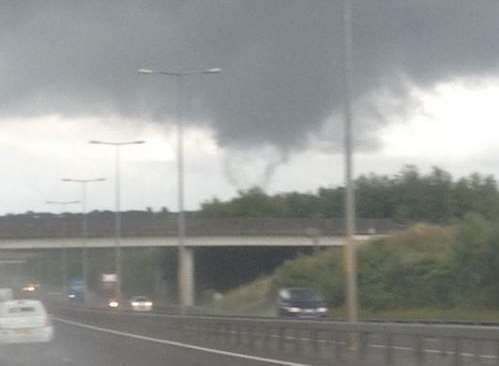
column 300, row 302
column 75, row 297
column 76, row 291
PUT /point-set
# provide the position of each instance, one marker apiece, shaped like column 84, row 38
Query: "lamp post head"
column 214, row 70
column 118, row 143
column 145, row 71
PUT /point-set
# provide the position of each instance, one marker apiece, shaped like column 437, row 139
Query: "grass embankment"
column 254, row 298
column 425, row 272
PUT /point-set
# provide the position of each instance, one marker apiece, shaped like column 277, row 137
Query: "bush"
column 424, row 266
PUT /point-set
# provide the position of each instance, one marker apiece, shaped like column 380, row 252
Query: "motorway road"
column 110, row 339
column 77, row 346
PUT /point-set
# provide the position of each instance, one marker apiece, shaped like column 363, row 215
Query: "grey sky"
column 281, row 58
column 279, row 95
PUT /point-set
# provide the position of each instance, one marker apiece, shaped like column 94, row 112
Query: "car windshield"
column 304, row 295
column 184, row 181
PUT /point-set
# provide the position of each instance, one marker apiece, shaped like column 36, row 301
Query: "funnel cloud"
column 281, row 60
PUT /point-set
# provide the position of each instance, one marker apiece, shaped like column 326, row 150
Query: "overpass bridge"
column 192, row 242
column 40, row 233
column 43, row 233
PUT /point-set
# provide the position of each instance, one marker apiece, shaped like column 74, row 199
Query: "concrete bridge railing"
column 54, row 226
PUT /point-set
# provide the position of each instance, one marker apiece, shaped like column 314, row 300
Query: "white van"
column 6, row 294
column 24, row 321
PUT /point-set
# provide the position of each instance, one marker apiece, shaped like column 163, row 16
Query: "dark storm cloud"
column 281, row 59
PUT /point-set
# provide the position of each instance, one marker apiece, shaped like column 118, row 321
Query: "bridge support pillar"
column 186, row 276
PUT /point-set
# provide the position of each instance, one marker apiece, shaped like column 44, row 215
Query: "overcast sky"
column 425, row 93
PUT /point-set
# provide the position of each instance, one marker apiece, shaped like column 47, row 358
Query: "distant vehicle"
column 31, row 287
column 76, row 291
column 75, row 297
column 6, row 294
column 141, row 303
column 300, row 302
column 107, row 288
column 113, row 304
column 24, row 321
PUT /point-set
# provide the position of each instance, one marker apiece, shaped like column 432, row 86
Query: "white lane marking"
column 180, row 344
column 430, row 350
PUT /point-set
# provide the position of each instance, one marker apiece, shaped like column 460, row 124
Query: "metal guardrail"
column 210, row 312
column 355, row 344
column 311, row 341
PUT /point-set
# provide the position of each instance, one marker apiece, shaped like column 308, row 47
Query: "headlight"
column 134, row 303
column 293, row 309
column 321, row 310
column 148, row 303
column 113, row 304
column 71, row 296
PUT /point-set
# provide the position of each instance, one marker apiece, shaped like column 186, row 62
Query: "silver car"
column 141, row 303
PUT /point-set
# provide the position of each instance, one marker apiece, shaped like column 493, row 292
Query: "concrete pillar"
column 159, row 284
column 186, row 276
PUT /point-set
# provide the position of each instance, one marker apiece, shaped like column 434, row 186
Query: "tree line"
column 408, row 196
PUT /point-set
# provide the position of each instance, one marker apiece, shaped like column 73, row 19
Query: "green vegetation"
column 423, row 267
column 425, row 272
column 254, row 298
column 407, row 196
column 452, row 266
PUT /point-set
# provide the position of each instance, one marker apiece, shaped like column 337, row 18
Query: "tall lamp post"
column 117, row 222
column 84, row 226
column 185, row 261
column 350, row 252
column 64, row 255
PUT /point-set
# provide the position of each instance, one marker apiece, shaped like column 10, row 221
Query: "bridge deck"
column 171, row 241
column 102, row 226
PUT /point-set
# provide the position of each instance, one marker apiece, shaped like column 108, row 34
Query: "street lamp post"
column 185, row 259
column 84, row 227
column 350, row 252
column 117, row 223
column 64, row 254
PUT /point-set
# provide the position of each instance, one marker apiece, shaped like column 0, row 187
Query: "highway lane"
column 169, row 329
column 77, row 345
column 164, row 330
